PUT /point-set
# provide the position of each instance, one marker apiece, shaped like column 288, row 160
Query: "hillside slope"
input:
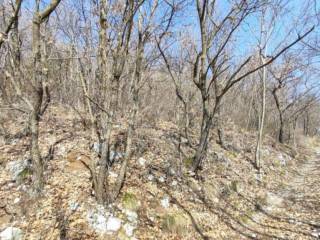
column 227, row 201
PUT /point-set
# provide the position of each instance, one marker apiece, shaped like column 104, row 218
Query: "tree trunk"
column 281, row 131
column 101, row 187
column 263, row 109
column 294, row 127
column 36, row 104
column 37, row 94
column 133, row 114
column 306, row 124
column 220, row 130
column 281, row 127
column 103, row 195
column 204, row 135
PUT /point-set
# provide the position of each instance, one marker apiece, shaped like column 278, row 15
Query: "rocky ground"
column 228, row 201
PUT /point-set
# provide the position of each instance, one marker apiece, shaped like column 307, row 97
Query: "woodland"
column 159, row 119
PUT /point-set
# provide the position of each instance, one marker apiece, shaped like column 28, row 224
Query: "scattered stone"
column 98, row 220
column 316, row 233
column 258, row 177
column 273, row 200
column 292, row 221
column 115, row 156
column 162, row 179
column 113, row 174
column 21, row 187
column 219, row 157
column 132, row 216
column 128, row 228
column 113, row 224
column 19, row 168
column 142, row 162
column 151, row 218
column 282, row 160
column 97, row 147
column 174, row 183
column 171, row 171
column 11, row 233
column 16, row 200
column 150, row 177
column 165, row 202
column 61, row 150
column 74, row 206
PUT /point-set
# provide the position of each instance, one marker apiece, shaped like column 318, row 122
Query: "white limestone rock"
column 129, row 229
column 132, row 216
column 11, row 233
column 18, row 166
column 113, row 224
column 142, row 162
column 97, row 219
column 165, row 202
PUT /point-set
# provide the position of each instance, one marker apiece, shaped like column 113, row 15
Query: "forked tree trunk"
column 104, row 195
column 133, row 114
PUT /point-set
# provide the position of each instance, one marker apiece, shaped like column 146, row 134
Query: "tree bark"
column 103, row 195
column 281, row 130
column 204, row 135
column 281, row 120
column 133, row 113
column 12, row 21
column 36, row 103
column 37, row 95
column 258, row 154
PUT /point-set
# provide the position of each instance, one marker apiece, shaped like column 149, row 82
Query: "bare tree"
column 219, row 34
column 12, row 21
column 37, row 95
column 287, row 93
column 109, row 106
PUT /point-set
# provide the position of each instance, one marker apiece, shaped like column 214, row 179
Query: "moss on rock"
column 130, row 201
column 24, row 174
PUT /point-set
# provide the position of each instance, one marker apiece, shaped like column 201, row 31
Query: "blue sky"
column 289, row 20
